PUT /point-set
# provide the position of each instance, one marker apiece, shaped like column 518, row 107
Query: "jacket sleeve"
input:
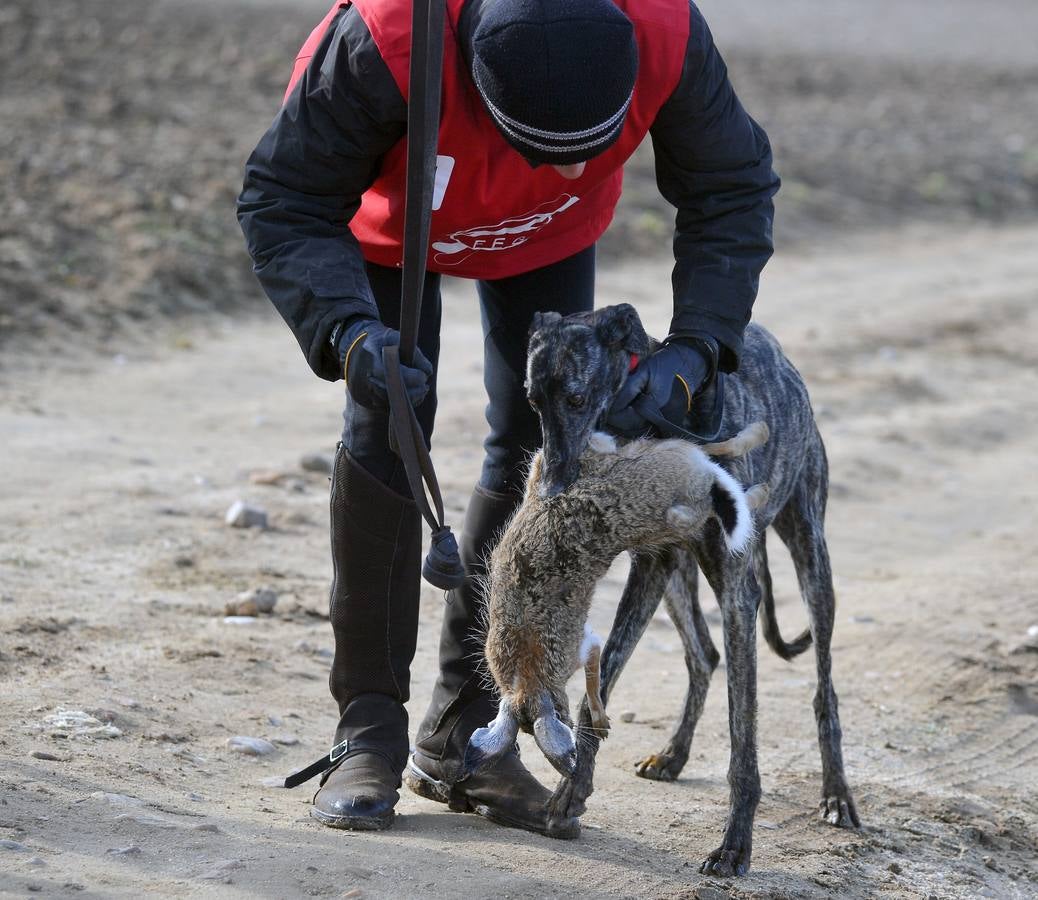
column 303, row 184
column 713, row 162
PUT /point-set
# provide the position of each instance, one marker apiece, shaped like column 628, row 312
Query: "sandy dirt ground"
column 116, row 564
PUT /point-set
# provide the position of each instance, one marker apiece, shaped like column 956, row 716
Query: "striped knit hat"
column 557, row 76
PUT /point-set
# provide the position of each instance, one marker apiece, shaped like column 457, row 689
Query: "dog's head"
column 575, row 366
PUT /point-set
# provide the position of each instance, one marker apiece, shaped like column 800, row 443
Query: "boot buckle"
column 338, row 751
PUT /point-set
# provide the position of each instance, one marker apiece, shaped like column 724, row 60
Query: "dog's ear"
column 620, row 326
column 543, row 320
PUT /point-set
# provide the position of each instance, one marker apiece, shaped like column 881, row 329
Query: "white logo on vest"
column 511, row 232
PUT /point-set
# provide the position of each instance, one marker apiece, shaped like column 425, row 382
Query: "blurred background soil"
column 125, row 127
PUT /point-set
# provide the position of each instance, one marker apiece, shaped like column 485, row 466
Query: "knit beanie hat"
column 556, row 76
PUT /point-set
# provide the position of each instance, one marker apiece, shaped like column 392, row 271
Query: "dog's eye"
column 575, row 400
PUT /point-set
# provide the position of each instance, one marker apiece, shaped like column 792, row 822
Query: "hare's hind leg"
column 751, row 437
column 701, row 657
column 593, row 685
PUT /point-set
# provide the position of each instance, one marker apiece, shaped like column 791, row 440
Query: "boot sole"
column 354, row 823
column 424, row 785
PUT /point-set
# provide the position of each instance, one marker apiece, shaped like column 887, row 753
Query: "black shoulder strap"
column 442, row 566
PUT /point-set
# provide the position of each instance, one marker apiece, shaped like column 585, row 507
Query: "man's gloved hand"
column 360, row 351
column 669, row 378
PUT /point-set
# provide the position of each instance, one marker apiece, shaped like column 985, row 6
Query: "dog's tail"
column 767, row 608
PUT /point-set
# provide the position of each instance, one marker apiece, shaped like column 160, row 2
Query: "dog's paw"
column 659, row 767
column 730, row 859
column 837, row 808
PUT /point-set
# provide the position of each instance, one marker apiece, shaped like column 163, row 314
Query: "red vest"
column 493, row 215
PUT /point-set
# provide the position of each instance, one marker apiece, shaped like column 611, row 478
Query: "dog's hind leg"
column 645, row 584
column 800, row 524
column 737, row 595
column 701, row 657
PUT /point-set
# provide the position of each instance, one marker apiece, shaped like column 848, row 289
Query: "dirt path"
column 115, row 565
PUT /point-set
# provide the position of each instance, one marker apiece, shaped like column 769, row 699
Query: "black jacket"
column 304, row 180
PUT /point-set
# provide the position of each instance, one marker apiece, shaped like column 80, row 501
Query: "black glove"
column 668, row 379
column 360, row 350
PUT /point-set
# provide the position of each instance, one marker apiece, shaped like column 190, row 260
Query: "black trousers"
column 507, row 306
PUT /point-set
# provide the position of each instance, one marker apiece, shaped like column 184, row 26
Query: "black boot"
column 463, row 701
column 376, row 553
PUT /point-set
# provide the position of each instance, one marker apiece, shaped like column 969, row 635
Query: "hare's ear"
column 620, row 326
column 490, row 743
column 729, row 504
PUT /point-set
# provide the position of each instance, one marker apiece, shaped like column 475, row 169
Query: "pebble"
column 36, row 861
column 261, row 599
column 108, row 716
column 76, row 723
column 861, row 620
column 132, row 850
column 238, row 620
column 6, row 598
column 244, row 515
column 627, row 716
column 1033, row 631
column 183, row 562
column 286, row 740
column 250, row 746
column 8, row 844
column 316, row 462
column 43, row 754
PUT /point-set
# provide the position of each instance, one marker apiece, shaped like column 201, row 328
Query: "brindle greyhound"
column 576, row 366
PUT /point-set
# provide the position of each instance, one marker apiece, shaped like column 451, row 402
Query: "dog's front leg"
column 570, row 797
column 642, row 593
column 737, row 594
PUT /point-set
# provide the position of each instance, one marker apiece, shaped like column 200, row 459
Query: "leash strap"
column 442, row 567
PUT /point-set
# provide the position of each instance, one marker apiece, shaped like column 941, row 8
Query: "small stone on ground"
column 250, row 746
column 245, row 515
